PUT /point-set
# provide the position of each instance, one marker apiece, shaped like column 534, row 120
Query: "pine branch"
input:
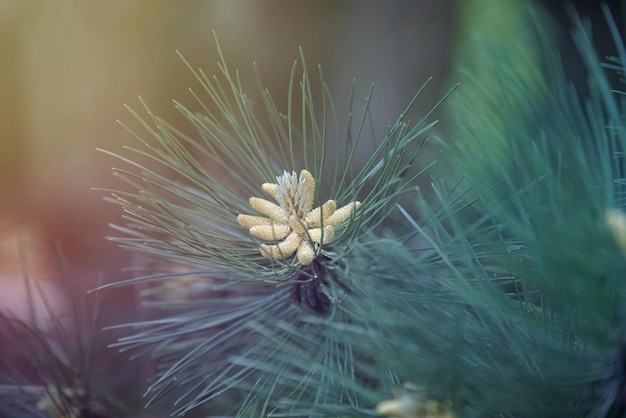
column 255, row 335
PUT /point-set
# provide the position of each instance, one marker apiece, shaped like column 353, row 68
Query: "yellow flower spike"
column 317, row 236
column 270, row 209
column 270, row 232
column 248, row 221
column 297, row 224
column 65, row 402
column 405, row 406
column 293, row 218
column 283, row 249
column 270, row 188
column 410, row 403
column 309, row 189
column 305, row 254
column 342, row 214
column 314, row 218
column 615, row 221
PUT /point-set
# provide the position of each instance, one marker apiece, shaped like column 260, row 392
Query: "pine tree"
column 310, row 287
column 268, row 275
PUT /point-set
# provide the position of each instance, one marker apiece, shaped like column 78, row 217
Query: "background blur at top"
column 67, row 68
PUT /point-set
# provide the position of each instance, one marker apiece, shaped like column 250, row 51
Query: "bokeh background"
column 68, row 66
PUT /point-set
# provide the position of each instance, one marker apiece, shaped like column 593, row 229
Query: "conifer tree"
column 325, row 288
column 286, row 280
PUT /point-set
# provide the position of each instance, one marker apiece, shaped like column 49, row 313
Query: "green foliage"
column 500, row 296
column 513, row 304
column 553, row 184
column 56, row 361
column 244, row 344
column 514, row 307
column 189, row 214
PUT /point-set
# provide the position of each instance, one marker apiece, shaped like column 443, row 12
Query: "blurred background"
column 66, row 70
column 67, row 67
